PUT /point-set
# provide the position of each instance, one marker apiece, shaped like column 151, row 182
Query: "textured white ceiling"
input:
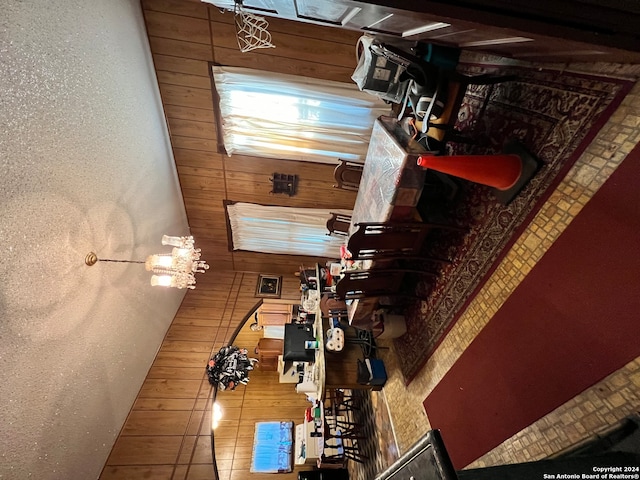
column 85, row 164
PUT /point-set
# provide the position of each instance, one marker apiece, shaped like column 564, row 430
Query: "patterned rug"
column 554, row 115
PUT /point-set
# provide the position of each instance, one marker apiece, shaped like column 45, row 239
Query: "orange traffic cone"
column 499, row 171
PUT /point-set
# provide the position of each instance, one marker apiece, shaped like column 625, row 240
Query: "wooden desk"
column 337, row 369
column 390, row 189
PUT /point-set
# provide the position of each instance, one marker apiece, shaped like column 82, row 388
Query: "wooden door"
column 268, row 351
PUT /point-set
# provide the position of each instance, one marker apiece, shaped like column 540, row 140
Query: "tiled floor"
column 378, row 446
column 597, row 408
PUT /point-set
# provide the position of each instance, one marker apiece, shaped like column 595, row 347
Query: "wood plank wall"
column 167, row 434
column 185, row 36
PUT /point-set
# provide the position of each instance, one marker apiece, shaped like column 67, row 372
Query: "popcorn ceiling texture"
column 85, row 165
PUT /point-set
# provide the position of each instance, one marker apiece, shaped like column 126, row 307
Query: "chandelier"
column 176, row 269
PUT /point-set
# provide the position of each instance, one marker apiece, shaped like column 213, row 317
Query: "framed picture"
column 269, row 286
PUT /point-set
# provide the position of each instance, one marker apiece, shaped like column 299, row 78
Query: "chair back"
column 339, row 224
column 387, row 239
column 369, row 283
column 347, row 175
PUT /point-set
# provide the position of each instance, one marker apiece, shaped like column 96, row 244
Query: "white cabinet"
column 308, row 448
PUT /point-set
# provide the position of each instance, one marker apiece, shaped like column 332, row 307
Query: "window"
column 286, row 230
column 297, row 118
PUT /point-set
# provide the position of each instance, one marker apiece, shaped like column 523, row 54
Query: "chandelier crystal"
column 176, row 269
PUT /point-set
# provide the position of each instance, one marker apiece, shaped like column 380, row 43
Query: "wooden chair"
column 346, row 411
column 369, row 283
column 334, row 310
column 342, row 438
column 338, row 317
column 338, row 224
column 347, row 427
column 392, row 240
column 374, row 283
column 330, row 305
column 342, row 402
column 345, row 448
column 347, row 175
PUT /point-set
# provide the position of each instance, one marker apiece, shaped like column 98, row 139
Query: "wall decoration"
column 230, row 367
column 284, row 183
column 269, row 286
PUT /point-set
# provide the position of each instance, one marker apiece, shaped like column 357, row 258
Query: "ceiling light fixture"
column 176, row 269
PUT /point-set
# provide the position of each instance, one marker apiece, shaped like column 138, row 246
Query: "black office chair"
column 364, row 338
column 434, row 94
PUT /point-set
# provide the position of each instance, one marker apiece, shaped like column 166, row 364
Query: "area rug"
column 554, row 115
column 571, row 322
